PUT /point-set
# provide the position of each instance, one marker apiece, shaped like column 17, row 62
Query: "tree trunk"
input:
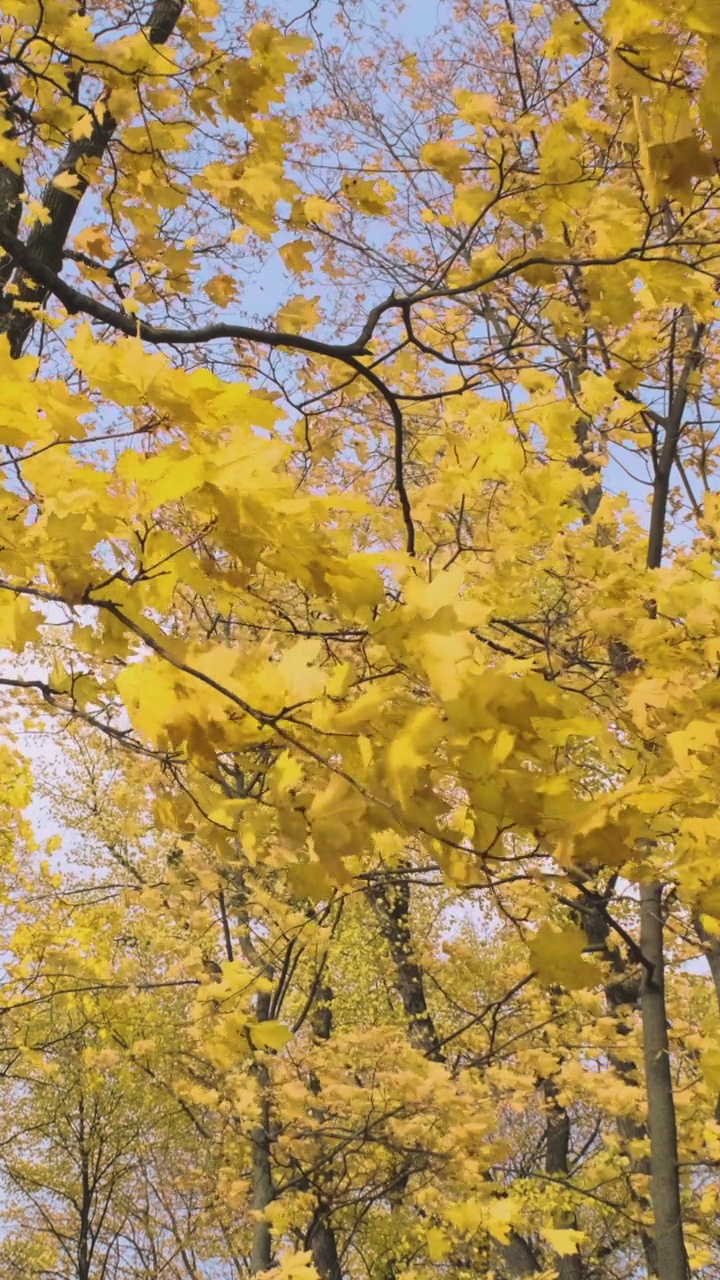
column 665, row 1180
column 622, row 991
column 262, row 1184
column 557, row 1148
column 320, row 1237
column 86, row 1199
column 392, row 911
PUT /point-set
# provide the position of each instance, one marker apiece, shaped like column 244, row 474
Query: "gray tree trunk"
column 672, row 1261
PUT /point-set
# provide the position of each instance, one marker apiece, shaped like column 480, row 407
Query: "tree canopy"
column 360, row 629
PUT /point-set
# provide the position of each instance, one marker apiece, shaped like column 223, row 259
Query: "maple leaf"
column 449, row 158
column 371, row 196
column 221, row 289
column 564, row 1240
column 270, row 1035
column 557, row 956
column 299, row 315
column 295, row 255
column 68, row 182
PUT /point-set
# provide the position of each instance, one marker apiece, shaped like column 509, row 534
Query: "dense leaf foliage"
column 359, row 608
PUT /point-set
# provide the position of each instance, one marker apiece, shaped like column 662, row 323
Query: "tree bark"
column 86, row 1198
column 392, row 911
column 320, row 1238
column 262, row 1183
column 557, row 1149
column 672, row 1261
column 622, row 991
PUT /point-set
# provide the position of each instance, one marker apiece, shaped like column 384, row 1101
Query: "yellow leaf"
column 310, row 880
column 341, row 680
column 501, row 1216
column 298, row 315
column 426, row 599
column 336, row 815
column 83, row 127
column 221, row 289
column 568, row 37
column 66, row 181
column 710, row 923
column 292, row 1266
column 295, row 255
column 448, row 158
column 470, row 202
column 94, row 241
column 168, row 475
column 710, row 1067
column 371, row 197
column 708, row 103
column 476, row 108
column 468, row 1216
column 19, row 622
column 409, row 752
column 671, row 154
column 12, row 153
column 710, row 902
column 438, row 1245
column 698, row 735
column 444, row 658
column 704, row 16
column 673, row 165
column 315, row 209
column 269, row 1035
column 557, row 957
column 564, row 1240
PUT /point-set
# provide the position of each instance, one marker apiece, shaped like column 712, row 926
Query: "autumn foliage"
column 360, row 630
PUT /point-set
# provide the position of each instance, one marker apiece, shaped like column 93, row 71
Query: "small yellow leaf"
column 568, row 38
column 84, row 126
column 448, row 158
column 704, row 16
column 372, row 197
column 298, row 315
column 699, row 735
column 476, row 108
column 710, row 924
column 221, row 289
column 557, row 957
column 564, row 1240
column 710, row 1067
column 501, row 1217
column 468, row 1216
column 270, row 1035
column 438, row 1245
column 470, row 202
column 66, row 181
column 94, row 241
column 426, row 599
column 295, row 255
column 315, row 209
